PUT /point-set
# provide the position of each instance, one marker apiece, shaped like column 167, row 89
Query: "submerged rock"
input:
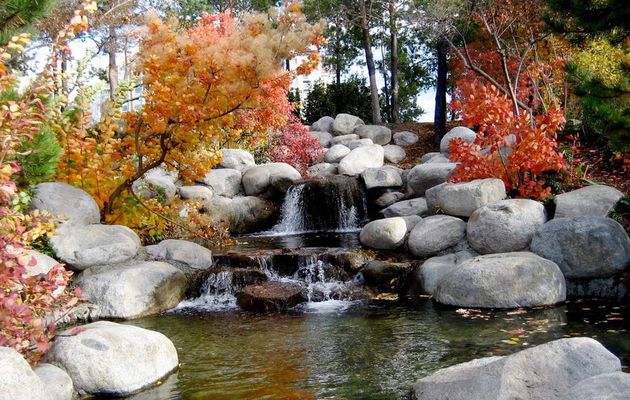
column 508, row 280
column 270, row 296
column 109, row 359
column 546, row 372
column 386, row 276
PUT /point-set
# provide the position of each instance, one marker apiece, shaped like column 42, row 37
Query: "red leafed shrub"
column 519, row 160
column 295, row 146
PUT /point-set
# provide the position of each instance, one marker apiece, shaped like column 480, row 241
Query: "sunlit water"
column 356, row 350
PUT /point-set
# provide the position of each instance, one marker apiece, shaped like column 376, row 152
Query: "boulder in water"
column 271, row 296
column 386, row 276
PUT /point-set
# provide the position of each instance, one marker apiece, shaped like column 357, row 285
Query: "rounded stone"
column 336, row 153
column 596, row 200
column 462, row 199
column 584, row 247
column 379, row 134
column 272, row 296
column 258, row 179
column 57, row 381
column 434, row 234
column 109, row 359
column 17, row 380
column 61, row 199
column 405, row 138
column 425, row 176
column 505, row 226
column 460, row 132
column 385, row 234
column 236, row 159
column 224, row 181
column 394, row 154
column 82, row 247
column 324, row 124
column 362, row 158
column 407, row 207
column 508, row 280
column 344, row 124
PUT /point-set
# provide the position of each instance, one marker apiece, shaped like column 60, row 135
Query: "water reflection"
column 367, row 351
column 266, row 241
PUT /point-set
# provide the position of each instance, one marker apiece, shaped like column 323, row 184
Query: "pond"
column 351, row 350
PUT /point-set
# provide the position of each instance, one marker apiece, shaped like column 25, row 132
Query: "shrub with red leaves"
column 295, row 146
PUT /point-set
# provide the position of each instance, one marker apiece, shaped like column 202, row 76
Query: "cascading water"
column 217, row 294
column 335, row 204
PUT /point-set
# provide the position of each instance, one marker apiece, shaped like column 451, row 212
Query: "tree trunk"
column 395, row 111
column 112, row 72
column 388, row 108
column 439, row 118
column 369, row 59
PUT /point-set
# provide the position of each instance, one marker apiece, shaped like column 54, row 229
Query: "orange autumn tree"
column 511, row 89
column 219, row 82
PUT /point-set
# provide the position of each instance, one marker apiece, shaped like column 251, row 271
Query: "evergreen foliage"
column 17, row 16
column 351, row 97
column 39, row 158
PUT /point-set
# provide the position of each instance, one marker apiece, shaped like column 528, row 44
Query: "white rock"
column 405, row 138
column 505, row 226
column 353, row 144
column 224, row 182
column 188, row 253
column 81, row 247
column 394, row 154
column 596, row 200
column 344, row 139
column 63, row 200
column 379, row 134
column 388, row 233
column 610, row 386
column 425, row 176
column 362, row 158
column 324, row 124
column 462, row 199
column 57, row 381
column 44, row 263
column 154, row 187
column 381, row 178
column 428, row 156
column 461, row 132
column 336, row 153
column 259, row 179
column 113, row 359
column 407, row 207
column 324, row 138
column 196, row 193
column 236, row 159
column 134, row 290
column 17, row 380
column 344, row 124
column 431, row 272
column 322, row 169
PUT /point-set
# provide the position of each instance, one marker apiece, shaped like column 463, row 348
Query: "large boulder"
column 261, row 178
column 386, row 234
column 189, row 255
column 196, row 193
column 407, row 207
column 545, row 372
column 425, row 176
column 224, row 182
column 324, row 124
column 505, row 226
column 394, row 154
column 272, row 296
column 66, row 201
column 236, row 159
column 324, row 138
column 405, row 138
column 344, row 139
column 584, row 247
column 57, row 381
column 379, row 134
column 17, row 380
column 353, row 144
column 460, row 132
column 362, row 158
column 507, row 280
column 596, row 200
column 426, row 157
column 134, row 290
column 439, row 159
column 462, row 199
column 381, row 178
column 81, row 247
column 322, row 169
column 336, row 153
column 109, row 359
column 434, row 234
column 610, row 386
column 344, row 124
column 427, row 275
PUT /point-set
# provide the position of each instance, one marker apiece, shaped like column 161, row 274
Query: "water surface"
column 361, row 350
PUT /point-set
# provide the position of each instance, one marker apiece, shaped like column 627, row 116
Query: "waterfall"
column 217, row 294
column 334, row 203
